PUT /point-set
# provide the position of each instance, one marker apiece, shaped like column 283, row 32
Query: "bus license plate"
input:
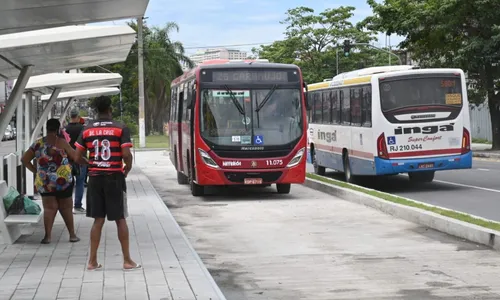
column 426, row 166
column 253, row 181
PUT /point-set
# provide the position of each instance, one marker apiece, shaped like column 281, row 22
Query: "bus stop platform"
column 171, row 269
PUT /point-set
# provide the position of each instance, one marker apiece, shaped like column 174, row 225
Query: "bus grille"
column 239, row 177
column 251, row 154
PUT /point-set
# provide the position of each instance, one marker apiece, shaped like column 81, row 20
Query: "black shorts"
column 67, row 193
column 106, row 197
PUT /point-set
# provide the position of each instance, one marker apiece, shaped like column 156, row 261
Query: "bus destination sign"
column 250, row 76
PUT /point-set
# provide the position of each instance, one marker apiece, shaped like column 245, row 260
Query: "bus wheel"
column 181, row 178
column 196, row 189
column 422, row 177
column 319, row 170
column 283, row 188
column 347, row 170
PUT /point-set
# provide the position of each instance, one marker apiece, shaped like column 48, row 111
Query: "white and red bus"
column 390, row 120
column 239, row 123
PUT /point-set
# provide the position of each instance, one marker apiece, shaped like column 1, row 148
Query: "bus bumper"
column 210, row 176
column 398, row 166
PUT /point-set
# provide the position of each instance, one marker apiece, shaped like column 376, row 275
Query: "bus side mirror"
column 306, row 97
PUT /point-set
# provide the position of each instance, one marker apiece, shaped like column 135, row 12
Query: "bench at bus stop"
column 11, row 225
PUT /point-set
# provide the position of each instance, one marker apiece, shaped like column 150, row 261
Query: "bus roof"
column 226, row 63
column 365, row 75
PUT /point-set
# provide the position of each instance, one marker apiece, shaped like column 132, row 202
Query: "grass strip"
column 154, row 141
column 399, row 200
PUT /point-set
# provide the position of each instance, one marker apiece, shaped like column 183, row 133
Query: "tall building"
column 219, row 53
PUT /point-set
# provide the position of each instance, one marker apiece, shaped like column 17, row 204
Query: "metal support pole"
column 19, row 125
column 28, row 118
column 383, row 50
column 29, row 112
column 140, row 44
column 14, row 98
column 45, row 114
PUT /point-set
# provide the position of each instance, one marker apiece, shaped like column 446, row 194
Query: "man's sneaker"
column 79, row 210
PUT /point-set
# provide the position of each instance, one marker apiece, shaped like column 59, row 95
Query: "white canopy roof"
column 24, row 15
column 72, row 81
column 85, row 94
column 64, row 48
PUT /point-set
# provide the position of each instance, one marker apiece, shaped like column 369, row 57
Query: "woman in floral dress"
column 53, row 177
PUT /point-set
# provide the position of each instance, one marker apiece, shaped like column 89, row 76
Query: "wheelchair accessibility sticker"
column 391, row 140
column 258, row 140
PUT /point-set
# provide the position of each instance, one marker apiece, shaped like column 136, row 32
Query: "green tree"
column 450, row 33
column 311, row 41
column 163, row 58
column 162, row 63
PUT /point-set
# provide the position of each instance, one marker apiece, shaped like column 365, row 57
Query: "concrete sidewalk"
column 171, row 268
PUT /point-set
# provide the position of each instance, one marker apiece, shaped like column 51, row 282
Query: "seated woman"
column 53, row 177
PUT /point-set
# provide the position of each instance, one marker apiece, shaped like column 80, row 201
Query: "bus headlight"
column 207, row 159
column 296, row 159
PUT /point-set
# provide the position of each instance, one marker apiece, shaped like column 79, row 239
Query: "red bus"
column 239, row 123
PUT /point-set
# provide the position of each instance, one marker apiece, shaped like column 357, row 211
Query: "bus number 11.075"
column 274, row 162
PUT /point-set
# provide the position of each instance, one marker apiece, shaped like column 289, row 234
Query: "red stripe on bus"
column 425, row 153
column 338, row 150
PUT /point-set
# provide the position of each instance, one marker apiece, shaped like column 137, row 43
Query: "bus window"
column 367, row 106
column 346, row 106
column 327, row 107
column 334, row 94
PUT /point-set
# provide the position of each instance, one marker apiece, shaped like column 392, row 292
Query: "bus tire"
column 196, row 189
column 422, row 177
column 283, row 188
column 181, row 178
column 318, row 170
column 347, row 169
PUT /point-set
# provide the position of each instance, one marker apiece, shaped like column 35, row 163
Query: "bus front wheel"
column 347, row 169
column 422, row 177
column 181, row 178
column 319, row 170
column 283, row 188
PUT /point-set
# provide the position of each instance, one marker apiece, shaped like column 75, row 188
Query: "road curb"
column 485, row 155
column 464, row 230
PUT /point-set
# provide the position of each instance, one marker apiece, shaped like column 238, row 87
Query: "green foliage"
column 131, row 123
column 450, row 33
column 312, row 40
column 162, row 63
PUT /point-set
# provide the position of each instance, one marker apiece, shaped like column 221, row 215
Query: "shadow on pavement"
column 397, row 184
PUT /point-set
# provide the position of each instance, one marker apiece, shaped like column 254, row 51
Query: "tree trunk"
column 494, row 106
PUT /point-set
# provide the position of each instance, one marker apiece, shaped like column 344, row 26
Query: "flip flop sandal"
column 45, row 241
column 99, row 266
column 74, row 240
column 137, row 267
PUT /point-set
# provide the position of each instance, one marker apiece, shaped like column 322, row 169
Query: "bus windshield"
column 400, row 93
column 278, row 122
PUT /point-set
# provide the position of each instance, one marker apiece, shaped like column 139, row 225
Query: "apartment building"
column 218, row 53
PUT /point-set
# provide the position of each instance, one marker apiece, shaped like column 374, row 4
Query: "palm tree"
column 162, row 64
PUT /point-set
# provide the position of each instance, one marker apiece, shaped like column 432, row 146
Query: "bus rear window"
column 396, row 94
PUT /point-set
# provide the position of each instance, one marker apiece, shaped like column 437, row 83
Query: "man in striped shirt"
column 108, row 143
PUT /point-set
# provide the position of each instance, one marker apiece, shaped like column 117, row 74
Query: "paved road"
column 308, row 245
column 475, row 191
